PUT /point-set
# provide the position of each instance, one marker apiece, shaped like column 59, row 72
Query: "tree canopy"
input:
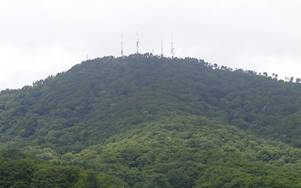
column 149, row 121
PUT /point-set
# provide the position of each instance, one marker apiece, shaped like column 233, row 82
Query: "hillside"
column 193, row 151
column 102, row 97
column 148, row 121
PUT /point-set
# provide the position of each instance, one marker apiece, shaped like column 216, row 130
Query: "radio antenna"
column 121, row 46
column 162, row 50
column 172, row 48
column 137, row 43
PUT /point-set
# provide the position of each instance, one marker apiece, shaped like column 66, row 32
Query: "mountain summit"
column 152, row 121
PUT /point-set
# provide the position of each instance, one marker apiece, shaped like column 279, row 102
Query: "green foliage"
column 192, row 151
column 147, row 121
column 22, row 171
column 103, row 97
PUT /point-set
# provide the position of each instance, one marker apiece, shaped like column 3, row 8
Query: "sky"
column 39, row 38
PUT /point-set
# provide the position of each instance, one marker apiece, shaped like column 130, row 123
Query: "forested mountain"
column 149, row 121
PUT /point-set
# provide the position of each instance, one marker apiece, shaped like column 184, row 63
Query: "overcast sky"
column 43, row 37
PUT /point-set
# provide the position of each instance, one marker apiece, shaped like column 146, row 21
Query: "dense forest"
column 150, row 121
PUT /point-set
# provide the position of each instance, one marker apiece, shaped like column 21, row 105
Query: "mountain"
column 149, row 121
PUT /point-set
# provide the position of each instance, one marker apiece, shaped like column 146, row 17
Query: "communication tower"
column 121, row 46
column 172, row 48
column 137, row 43
column 162, row 50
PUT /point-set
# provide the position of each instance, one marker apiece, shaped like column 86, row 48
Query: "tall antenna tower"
column 137, row 43
column 172, row 48
column 121, row 46
column 162, row 50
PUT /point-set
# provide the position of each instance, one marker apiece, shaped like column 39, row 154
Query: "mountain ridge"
column 148, row 121
column 146, row 86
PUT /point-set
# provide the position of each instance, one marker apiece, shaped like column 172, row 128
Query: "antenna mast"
column 172, row 48
column 162, row 52
column 137, row 43
column 121, row 47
